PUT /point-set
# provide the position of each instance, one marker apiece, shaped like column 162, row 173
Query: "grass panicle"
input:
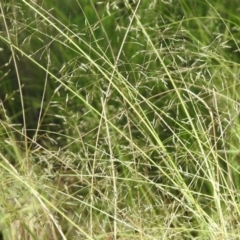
column 119, row 120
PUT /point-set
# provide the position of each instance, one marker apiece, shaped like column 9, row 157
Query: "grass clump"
column 119, row 120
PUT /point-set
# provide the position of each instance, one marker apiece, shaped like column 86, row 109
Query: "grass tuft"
column 119, row 120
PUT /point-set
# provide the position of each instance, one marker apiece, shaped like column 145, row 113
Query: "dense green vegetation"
column 119, row 119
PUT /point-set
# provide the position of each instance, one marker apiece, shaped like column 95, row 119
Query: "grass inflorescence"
column 119, row 120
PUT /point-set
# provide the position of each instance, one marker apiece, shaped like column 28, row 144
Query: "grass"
column 119, row 120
